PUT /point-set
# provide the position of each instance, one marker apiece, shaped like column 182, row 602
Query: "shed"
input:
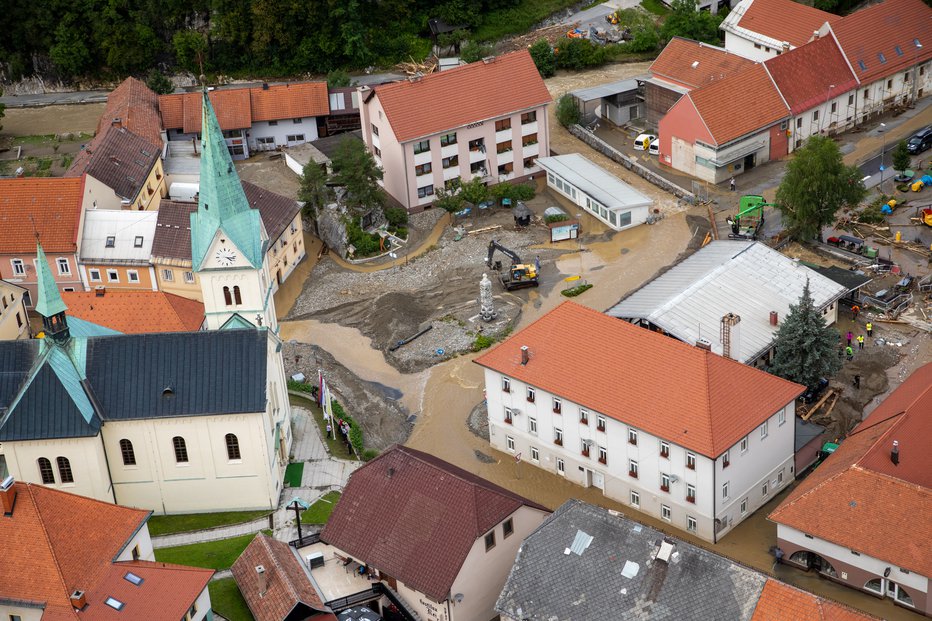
column 619, row 102
column 522, row 214
column 808, row 441
column 596, row 190
column 298, row 157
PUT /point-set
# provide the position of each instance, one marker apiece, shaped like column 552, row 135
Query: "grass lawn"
column 656, row 7
column 336, row 446
column 293, row 474
column 320, row 511
column 211, row 554
column 169, row 524
column 517, row 19
column 226, row 599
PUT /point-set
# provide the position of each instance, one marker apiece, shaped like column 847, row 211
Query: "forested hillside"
column 72, row 39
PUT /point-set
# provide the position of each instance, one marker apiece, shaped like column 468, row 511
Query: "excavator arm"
column 511, row 254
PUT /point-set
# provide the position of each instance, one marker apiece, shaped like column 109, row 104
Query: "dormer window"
column 111, row 241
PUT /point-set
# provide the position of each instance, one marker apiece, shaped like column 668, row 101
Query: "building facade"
column 14, row 319
column 116, row 249
column 763, row 29
column 440, row 130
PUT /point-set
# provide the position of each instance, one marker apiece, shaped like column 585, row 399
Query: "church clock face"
column 225, row 257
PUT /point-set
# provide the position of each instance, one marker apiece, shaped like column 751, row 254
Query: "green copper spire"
column 49, row 302
column 222, row 203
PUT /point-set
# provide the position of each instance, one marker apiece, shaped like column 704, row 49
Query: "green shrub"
column 369, row 454
column 557, row 217
column 579, row 54
column 482, row 342
column 338, row 79
column 396, row 216
column 516, row 192
column 471, row 51
column 366, row 244
column 301, row 387
column 544, row 59
column 567, row 112
column 572, row 292
column 355, row 433
column 401, row 232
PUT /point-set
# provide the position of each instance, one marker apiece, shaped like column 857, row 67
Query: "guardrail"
column 378, row 589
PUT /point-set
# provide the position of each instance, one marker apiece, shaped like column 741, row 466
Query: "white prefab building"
column 686, row 442
column 596, row 190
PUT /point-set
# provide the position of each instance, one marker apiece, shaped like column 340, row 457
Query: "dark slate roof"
column 210, row 372
column 277, row 211
column 172, row 239
column 16, row 360
column 328, row 145
column 546, row 583
column 806, row 431
column 119, row 159
column 849, row 279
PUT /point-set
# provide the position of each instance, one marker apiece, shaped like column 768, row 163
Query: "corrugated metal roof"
column 605, row 90
column 595, row 181
column 124, row 227
column 742, row 277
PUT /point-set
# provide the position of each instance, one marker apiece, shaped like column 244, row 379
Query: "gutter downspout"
column 107, row 463
column 714, row 497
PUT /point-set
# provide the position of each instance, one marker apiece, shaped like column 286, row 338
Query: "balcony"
column 585, row 452
column 665, row 488
column 453, row 172
column 531, row 150
column 422, row 158
column 476, row 156
column 529, row 128
column 449, row 150
column 503, row 135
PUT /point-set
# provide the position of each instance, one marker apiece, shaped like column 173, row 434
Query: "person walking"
column 849, row 352
column 732, row 184
column 857, row 381
column 855, row 310
column 849, row 336
column 870, row 328
column 860, row 341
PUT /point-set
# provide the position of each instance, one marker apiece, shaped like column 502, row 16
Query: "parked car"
column 813, row 393
column 642, row 142
column 654, row 148
column 920, row 141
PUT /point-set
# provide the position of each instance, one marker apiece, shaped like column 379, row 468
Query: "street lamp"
column 883, row 148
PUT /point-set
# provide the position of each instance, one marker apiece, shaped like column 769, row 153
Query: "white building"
column 763, row 29
column 667, row 428
column 115, row 249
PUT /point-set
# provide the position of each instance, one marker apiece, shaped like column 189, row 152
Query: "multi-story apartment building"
column 668, row 428
column 487, row 119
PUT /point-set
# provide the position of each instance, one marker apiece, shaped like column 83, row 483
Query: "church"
column 178, row 422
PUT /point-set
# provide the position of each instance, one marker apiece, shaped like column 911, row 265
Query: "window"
column 506, row 384
column 529, row 117
column 236, row 295
column 189, row 277
column 63, row 266
column 633, row 437
column 744, row 444
column 377, row 151
column 665, row 513
column 764, row 489
column 295, row 137
column 266, row 140
column 691, row 460
column 478, row 167
column 427, row 190
column 232, row 447
column 502, row 124
column 583, row 416
column 632, row 468
column 690, row 493
column 529, row 140
column 16, row 618
column 867, row 93
column 744, row 506
column 113, row 276
column 635, row 499
column 227, row 298
column 111, row 242
column 725, row 489
column 132, row 276
column 137, row 242
column 510, row 443
column 273, row 123
column 181, row 450
column 561, row 467
column 664, row 482
column 508, row 528
column 889, row 84
column 850, row 100
column 94, row 275
column 834, row 107
column 18, row 268
column 799, row 122
column 168, row 275
column 421, row 147
column 45, row 471
column 558, row 436
column 691, row 524
column 532, row 425
column 508, row 416
column 664, row 449
column 815, row 115
column 64, row 470
column 603, row 455
column 757, row 46
column 557, row 406
column 535, row 454
column 126, row 450
column 503, row 147
column 726, row 459
column 375, row 129
column 855, row 553
column 448, row 139
column 450, row 162
column 585, row 447
column 763, row 430
column 783, row 125
column 451, row 184
column 19, row 321
column 192, row 611
column 133, row 578
column 530, row 394
column 600, row 422
column 477, row 145
column 114, row 603
column 780, row 478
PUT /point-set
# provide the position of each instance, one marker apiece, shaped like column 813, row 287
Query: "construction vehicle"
column 750, row 219
column 612, row 18
column 518, row 275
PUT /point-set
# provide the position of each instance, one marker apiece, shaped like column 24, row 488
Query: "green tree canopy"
column 159, row 83
column 543, row 57
column 901, row 157
column 567, row 112
column 471, row 51
column 355, row 169
column 685, row 20
column 314, row 192
column 816, row 185
column 474, row 191
column 645, row 34
column 190, row 50
column 806, row 349
column 338, row 78
column 448, row 200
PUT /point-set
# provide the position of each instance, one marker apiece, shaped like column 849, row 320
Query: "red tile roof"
column 784, row 20
column 457, row 97
column 136, row 312
column 287, row 584
column 136, row 105
column 289, row 101
column 809, row 75
column 693, row 64
column 53, row 203
column 416, row 517
column 166, row 593
column 779, row 601
column 55, row 543
column 858, row 499
column 696, row 399
column 729, row 117
column 880, row 29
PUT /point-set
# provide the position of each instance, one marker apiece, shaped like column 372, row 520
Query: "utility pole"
column 883, row 149
column 296, row 507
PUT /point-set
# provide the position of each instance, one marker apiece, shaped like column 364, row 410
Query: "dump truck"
column 516, row 276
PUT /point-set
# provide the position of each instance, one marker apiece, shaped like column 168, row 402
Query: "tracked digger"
column 516, row 276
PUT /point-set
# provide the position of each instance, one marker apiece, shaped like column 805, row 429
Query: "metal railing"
column 378, row 589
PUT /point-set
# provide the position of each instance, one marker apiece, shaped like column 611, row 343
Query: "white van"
column 654, row 148
column 642, row 142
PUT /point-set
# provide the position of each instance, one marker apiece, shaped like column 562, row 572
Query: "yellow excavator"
column 612, row 18
column 519, row 275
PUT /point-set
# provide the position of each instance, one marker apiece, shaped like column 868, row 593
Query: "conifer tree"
column 806, row 349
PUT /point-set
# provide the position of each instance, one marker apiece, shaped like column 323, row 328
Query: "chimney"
column 263, row 580
column 78, row 600
column 117, row 122
column 895, row 453
column 525, row 355
column 265, row 86
column 815, row 35
column 774, row 318
column 786, row 46
column 729, row 335
column 8, row 495
column 100, row 291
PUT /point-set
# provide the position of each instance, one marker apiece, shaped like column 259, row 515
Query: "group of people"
column 344, row 428
column 849, row 337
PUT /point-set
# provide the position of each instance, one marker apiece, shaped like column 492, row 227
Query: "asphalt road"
column 52, row 99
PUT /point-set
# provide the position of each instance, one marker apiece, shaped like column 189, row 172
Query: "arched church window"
column 64, row 470
column 236, row 295
column 233, row 446
column 45, row 471
column 226, row 296
column 181, row 450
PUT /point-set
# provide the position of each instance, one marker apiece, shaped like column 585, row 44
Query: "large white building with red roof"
column 676, row 431
column 762, row 29
column 863, row 518
column 487, row 119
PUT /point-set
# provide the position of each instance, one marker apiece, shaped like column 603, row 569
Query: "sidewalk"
column 210, row 534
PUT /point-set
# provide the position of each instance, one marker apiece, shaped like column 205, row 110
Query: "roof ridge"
column 273, row 555
column 889, row 478
column 707, row 385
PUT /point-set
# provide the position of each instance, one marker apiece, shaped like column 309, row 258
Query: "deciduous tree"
column 567, row 112
column 190, row 50
column 355, row 169
column 806, row 349
column 314, row 192
column 448, row 200
column 901, row 157
column 474, row 191
column 685, row 20
column 543, row 57
column 159, row 83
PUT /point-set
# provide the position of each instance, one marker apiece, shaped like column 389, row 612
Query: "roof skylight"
column 882, row 58
column 132, row 578
column 114, row 603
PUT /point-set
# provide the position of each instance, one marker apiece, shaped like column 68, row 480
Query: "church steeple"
column 49, row 303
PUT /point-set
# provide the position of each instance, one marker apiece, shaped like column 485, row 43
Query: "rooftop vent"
column 117, row 122
column 666, row 549
column 525, row 355
column 168, row 392
column 78, row 600
column 488, row 59
column 895, row 453
column 704, row 344
column 695, row 64
column 815, row 35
